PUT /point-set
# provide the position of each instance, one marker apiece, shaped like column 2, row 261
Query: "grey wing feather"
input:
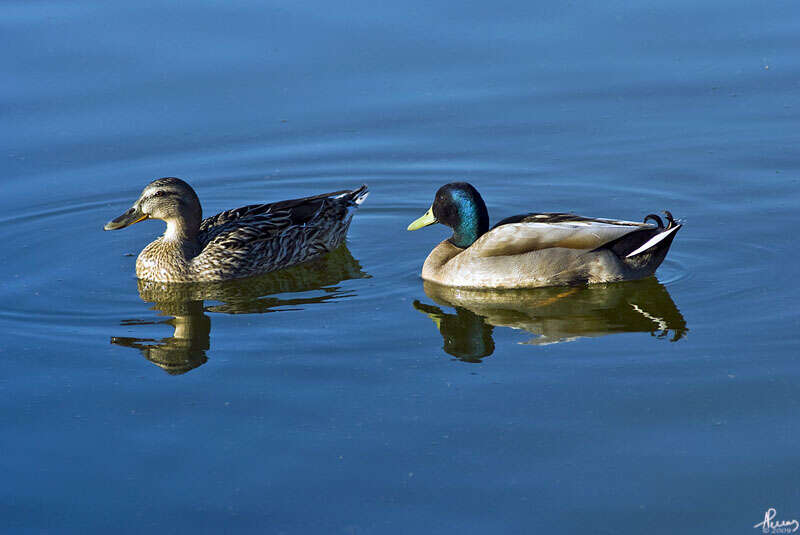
column 561, row 217
column 519, row 238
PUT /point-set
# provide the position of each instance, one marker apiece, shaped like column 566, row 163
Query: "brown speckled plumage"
column 243, row 242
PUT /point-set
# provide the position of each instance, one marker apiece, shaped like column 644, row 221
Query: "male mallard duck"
column 531, row 250
column 246, row 241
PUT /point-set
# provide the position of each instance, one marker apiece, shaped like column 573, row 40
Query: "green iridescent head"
column 459, row 206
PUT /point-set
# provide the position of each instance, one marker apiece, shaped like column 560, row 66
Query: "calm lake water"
column 346, row 396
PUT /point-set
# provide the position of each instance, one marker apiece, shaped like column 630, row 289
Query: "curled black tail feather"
column 625, row 245
column 658, row 221
column 670, row 220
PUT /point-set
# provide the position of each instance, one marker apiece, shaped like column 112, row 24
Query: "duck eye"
column 159, row 193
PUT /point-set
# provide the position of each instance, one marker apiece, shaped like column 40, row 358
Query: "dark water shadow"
column 553, row 315
column 185, row 303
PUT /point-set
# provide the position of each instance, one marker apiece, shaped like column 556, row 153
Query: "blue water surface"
column 345, row 396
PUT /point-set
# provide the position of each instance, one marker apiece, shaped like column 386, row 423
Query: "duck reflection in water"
column 186, row 348
column 554, row 315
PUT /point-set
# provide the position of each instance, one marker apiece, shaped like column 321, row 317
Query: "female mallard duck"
column 243, row 242
column 532, row 250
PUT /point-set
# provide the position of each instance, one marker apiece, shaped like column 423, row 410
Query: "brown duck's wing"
column 523, row 234
column 269, row 218
column 256, row 245
column 261, row 238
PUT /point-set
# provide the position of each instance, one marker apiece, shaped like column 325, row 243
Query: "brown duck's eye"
column 159, row 193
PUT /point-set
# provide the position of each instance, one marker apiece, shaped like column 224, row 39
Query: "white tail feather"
column 653, row 241
column 361, row 198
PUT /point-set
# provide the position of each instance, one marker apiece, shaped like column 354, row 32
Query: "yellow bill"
column 424, row 221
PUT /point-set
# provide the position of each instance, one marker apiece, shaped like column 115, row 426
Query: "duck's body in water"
column 537, row 249
column 243, row 242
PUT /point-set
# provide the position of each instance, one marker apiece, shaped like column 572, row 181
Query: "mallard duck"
column 537, row 249
column 243, row 242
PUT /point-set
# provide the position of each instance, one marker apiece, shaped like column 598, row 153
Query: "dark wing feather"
column 296, row 209
column 272, row 217
column 262, row 237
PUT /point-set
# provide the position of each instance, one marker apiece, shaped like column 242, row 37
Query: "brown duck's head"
column 168, row 199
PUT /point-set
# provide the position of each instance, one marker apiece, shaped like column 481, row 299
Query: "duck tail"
column 656, row 219
column 359, row 194
column 657, row 240
column 356, row 196
column 661, row 241
column 643, row 250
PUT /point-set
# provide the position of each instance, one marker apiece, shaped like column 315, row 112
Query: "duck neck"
column 473, row 222
column 183, row 233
